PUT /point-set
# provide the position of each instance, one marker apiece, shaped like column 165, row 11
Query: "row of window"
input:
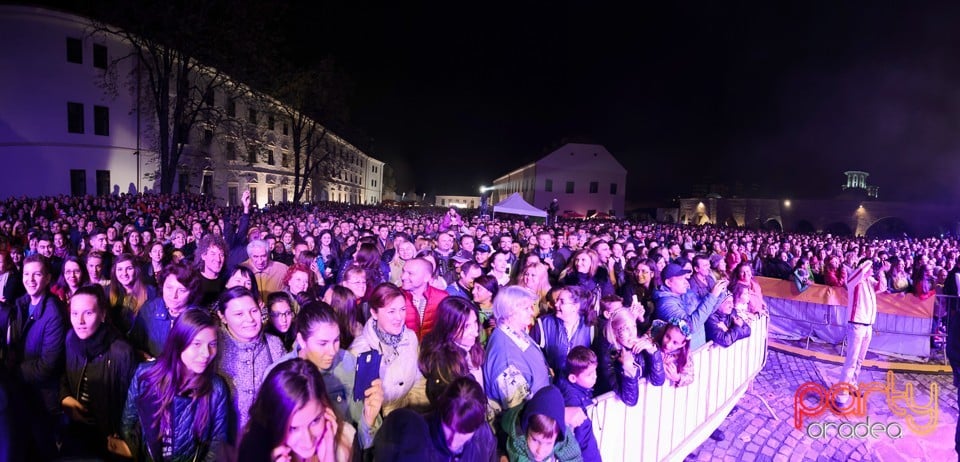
column 75, row 53
column 78, row 182
column 570, row 187
column 75, row 119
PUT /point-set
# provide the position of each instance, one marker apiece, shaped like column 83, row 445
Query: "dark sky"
column 785, row 96
column 781, row 95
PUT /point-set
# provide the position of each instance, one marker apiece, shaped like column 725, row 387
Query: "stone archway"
column 888, row 227
column 838, row 228
column 773, row 224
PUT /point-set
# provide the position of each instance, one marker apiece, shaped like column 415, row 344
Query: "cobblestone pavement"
column 753, row 434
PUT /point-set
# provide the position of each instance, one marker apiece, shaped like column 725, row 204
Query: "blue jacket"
column 551, row 335
column 670, row 305
column 151, row 327
column 37, row 344
column 143, row 440
column 577, row 396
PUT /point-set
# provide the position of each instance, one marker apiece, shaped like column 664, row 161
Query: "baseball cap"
column 673, row 270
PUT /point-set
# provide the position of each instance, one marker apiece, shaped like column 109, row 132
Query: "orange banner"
column 896, row 304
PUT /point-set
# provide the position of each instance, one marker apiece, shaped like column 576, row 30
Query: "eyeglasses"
column 281, row 315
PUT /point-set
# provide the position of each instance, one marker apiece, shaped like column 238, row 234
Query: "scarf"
column 389, row 339
column 97, row 344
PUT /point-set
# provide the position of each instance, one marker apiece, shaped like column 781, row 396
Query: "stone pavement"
column 753, row 434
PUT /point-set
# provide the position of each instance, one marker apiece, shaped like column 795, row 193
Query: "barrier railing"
column 669, row 422
column 903, row 328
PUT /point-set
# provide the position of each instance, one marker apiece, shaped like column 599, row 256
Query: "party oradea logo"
column 813, row 400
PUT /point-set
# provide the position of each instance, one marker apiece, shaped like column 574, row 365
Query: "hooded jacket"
column 549, row 402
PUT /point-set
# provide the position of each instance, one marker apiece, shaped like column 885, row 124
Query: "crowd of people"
column 164, row 327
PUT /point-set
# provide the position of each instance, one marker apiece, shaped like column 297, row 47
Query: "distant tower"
column 857, row 180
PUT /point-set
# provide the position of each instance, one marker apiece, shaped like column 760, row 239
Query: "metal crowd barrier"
column 668, row 423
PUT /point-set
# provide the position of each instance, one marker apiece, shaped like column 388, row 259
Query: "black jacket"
column 721, row 330
column 109, row 363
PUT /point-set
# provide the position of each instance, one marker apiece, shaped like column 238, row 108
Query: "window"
column 252, row 154
column 569, row 187
column 285, row 194
column 101, row 120
column 231, row 108
column 100, row 56
column 269, row 195
column 270, row 157
column 234, row 195
column 252, row 115
column 231, row 151
column 613, row 188
column 103, row 182
column 271, row 122
column 184, row 182
column 78, row 183
column 74, row 50
column 286, row 129
column 253, row 194
column 594, row 187
column 207, row 137
column 184, row 134
column 284, row 158
column 207, row 189
column 74, row 118
column 548, row 185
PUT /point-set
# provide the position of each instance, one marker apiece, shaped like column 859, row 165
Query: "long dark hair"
column 169, row 377
column 348, row 310
column 138, row 294
column 285, row 390
column 452, row 316
column 290, row 335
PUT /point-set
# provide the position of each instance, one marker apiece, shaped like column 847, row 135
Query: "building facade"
column 584, row 178
column 463, row 202
column 64, row 129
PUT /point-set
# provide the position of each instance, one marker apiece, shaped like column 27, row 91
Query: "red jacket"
column 413, row 321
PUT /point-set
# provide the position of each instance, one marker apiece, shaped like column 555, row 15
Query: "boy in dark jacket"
column 577, row 390
column 724, row 327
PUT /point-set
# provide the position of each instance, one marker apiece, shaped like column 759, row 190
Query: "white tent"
column 515, row 205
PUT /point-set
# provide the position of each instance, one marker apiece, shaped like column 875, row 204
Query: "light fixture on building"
column 786, row 203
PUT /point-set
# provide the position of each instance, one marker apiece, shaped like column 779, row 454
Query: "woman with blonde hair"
column 535, row 277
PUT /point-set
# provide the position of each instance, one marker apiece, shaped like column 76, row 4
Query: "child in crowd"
column 673, row 339
column 577, row 390
column 726, row 325
column 536, row 430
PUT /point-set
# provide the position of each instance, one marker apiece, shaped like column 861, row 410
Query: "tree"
column 179, row 50
column 312, row 101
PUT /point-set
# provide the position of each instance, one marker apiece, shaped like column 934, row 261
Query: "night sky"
column 781, row 97
column 784, row 97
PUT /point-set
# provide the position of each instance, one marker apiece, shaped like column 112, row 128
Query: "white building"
column 61, row 132
column 584, row 178
column 463, row 202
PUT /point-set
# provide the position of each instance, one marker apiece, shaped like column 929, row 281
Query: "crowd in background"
column 165, row 327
